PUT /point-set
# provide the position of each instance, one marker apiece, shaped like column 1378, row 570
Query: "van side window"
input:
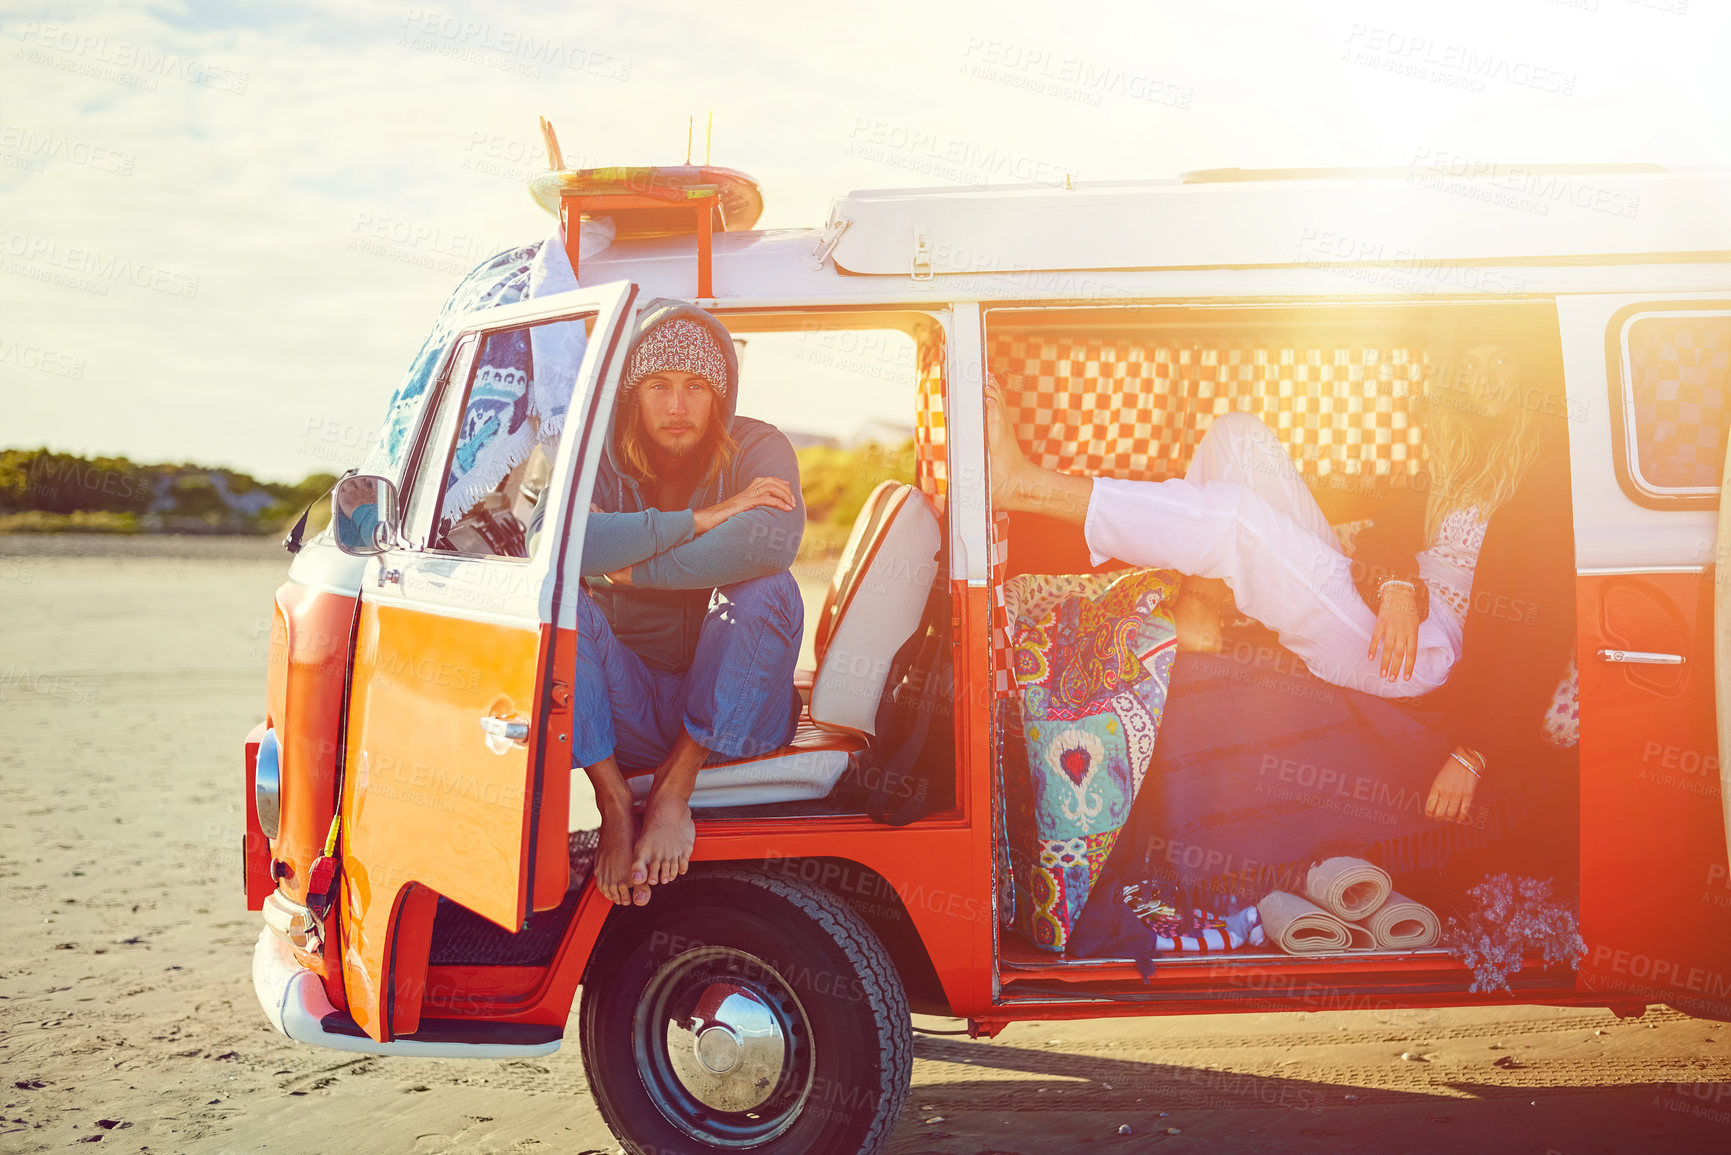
column 1675, row 370
column 496, row 435
column 426, row 464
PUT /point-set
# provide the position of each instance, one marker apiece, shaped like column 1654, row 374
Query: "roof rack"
column 1473, row 168
column 650, row 201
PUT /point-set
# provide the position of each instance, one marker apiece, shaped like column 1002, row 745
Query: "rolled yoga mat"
column 1402, row 924
column 1298, row 926
column 1349, row 888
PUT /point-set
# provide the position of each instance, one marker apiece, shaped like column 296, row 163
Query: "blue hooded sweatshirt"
column 673, row 572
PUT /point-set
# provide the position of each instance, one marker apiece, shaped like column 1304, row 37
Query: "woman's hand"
column 1396, row 632
column 1451, row 793
column 772, row 491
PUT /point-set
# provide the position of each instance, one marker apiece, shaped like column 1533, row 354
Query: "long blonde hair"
column 1470, row 468
column 718, row 442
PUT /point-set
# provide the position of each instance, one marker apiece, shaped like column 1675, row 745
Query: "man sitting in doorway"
column 686, row 649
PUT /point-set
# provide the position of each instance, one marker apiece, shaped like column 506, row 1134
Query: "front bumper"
column 294, row 1001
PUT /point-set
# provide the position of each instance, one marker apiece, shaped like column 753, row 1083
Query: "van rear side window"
column 1674, row 379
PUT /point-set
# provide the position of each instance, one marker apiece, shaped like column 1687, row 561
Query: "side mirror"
column 364, row 514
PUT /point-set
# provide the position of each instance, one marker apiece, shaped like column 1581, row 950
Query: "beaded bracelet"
column 1475, row 771
column 1402, row 582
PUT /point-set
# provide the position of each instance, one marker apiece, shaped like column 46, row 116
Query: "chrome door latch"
column 503, row 733
column 1640, row 658
column 394, row 576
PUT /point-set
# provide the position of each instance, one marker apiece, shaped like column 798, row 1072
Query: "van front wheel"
column 743, row 1011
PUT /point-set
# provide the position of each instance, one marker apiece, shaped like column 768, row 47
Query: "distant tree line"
column 41, row 489
column 835, row 484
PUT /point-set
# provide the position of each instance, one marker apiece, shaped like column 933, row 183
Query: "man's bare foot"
column 617, row 877
column 664, row 847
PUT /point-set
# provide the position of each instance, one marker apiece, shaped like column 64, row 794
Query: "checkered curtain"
column 1137, row 409
column 931, row 445
column 1679, row 373
column 1000, row 568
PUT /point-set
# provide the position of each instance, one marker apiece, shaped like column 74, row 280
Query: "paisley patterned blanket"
column 1091, row 656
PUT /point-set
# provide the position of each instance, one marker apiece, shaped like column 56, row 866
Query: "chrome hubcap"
column 717, row 1050
column 724, row 1046
column 730, row 1053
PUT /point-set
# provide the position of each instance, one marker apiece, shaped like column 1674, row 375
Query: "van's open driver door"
column 458, row 756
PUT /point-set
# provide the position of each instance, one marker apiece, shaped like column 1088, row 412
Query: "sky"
column 226, row 227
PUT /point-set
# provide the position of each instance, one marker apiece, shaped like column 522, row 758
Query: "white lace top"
column 1447, row 566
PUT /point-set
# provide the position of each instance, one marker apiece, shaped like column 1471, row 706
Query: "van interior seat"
column 874, row 603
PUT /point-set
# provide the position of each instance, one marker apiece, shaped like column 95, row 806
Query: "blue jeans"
column 736, row 699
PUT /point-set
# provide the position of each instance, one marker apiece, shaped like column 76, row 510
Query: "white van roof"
column 1232, row 218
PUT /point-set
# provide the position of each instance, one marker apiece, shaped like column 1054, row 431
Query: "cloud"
column 219, row 303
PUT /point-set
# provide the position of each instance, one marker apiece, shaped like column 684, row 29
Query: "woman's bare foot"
column 1214, row 591
column 1198, row 622
column 616, row 876
column 1019, row 484
column 1012, row 472
column 664, row 847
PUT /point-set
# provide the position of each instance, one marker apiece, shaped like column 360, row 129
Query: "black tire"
column 765, row 964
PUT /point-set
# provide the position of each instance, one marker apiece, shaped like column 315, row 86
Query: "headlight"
column 267, row 785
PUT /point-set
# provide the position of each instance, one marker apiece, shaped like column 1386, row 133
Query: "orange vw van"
column 417, row 839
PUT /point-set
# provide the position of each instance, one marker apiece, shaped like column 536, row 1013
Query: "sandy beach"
column 131, row 669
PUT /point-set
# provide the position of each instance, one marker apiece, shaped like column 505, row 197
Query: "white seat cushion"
column 808, row 767
column 883, row 581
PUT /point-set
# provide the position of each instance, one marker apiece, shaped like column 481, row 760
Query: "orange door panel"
column 431, row 797
column 1655, row 904
column 440, row 800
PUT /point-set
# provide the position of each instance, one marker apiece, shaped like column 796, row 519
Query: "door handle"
column 1640, row 658
column 502, row 730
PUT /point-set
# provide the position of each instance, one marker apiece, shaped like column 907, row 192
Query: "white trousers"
column 1242, row 514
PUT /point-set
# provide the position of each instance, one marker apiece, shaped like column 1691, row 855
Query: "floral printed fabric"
column 1563, row 715
column 1091, row 666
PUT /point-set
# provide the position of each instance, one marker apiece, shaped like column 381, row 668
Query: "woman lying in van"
column 1478, row 571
